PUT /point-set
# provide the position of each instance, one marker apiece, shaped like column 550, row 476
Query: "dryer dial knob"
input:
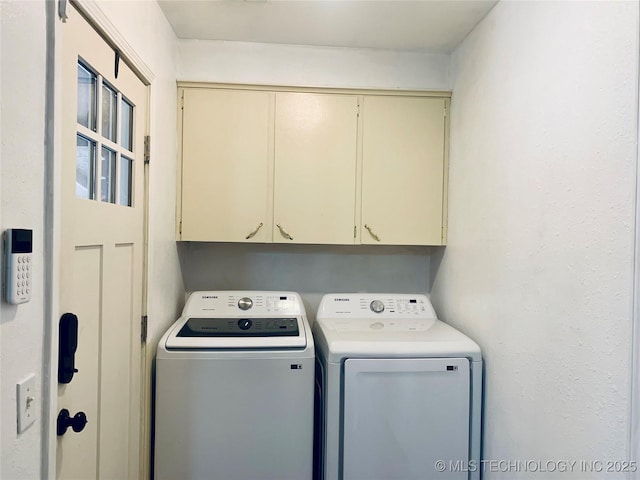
column 245, row 303
column 377, row 306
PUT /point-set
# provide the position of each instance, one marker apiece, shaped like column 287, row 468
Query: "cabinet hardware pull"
column 283, row 232
column 253, row 234
column 375, row 237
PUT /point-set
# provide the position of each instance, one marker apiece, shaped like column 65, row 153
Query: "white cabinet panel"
column 312, row 166
column 315, row 168
column 226, row 140
column 403, row 170
column 403, row 415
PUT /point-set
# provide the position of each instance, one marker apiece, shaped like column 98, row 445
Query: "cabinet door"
column 403, row 170
column 315, row 168
column 225, row 165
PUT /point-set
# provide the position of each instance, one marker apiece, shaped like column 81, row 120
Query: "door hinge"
column 143, row 328
column 180, row 227
column 445, row 110
column 147, row 148
column 355, row 229
column 358, row 109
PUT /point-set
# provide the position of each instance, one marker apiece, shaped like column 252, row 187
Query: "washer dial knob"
column 245, row 303
column 377, row 306
column 245, row 323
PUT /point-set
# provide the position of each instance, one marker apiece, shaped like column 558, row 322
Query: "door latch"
column 65, row 420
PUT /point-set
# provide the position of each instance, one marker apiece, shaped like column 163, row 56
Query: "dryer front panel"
column 403, row 415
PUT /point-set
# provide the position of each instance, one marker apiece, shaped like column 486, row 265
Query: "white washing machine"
column 401, row 390
column 235, row 389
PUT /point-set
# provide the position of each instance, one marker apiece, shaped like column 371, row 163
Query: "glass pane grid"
column 111, row 135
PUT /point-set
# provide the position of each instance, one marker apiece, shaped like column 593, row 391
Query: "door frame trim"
column 95, row 16
column 633, row 453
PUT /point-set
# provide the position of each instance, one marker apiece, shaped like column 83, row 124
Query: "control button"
column 244, row 324
column 377, row 306
column 245, row 303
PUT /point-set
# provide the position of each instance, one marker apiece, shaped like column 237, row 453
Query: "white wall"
column 538, row 267
column 22, row 135
column 309, row 270
column 293, row 65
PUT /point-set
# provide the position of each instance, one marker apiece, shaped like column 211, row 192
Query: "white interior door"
column 402, row 415
column 102, row 215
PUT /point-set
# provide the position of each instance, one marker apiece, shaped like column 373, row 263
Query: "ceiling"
column 418, row 26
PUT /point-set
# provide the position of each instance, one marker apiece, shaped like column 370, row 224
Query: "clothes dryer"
column 401, row 390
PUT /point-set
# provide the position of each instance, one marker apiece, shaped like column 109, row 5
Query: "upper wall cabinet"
column 226, row 140
column 312, row 166
column 315, row 168
column 403, row 170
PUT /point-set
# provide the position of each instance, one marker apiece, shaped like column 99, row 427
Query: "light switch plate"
column 26, row 395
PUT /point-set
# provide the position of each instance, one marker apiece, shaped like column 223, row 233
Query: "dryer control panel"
column 368, row 305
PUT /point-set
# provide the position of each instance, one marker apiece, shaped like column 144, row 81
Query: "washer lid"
column 197, row 332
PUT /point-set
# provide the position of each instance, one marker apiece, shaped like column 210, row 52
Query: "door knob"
column 77, row 422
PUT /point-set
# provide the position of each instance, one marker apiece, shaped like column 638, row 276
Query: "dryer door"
column 403, row 415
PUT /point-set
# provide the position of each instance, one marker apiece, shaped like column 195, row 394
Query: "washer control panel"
column 367, row 305
column 243, row 304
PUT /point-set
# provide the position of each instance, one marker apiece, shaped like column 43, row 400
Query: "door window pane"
column 109, row 112
column 108, row 176
column 87, row 82
column 85, row 168
column 126, row 184
column 126, row 135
